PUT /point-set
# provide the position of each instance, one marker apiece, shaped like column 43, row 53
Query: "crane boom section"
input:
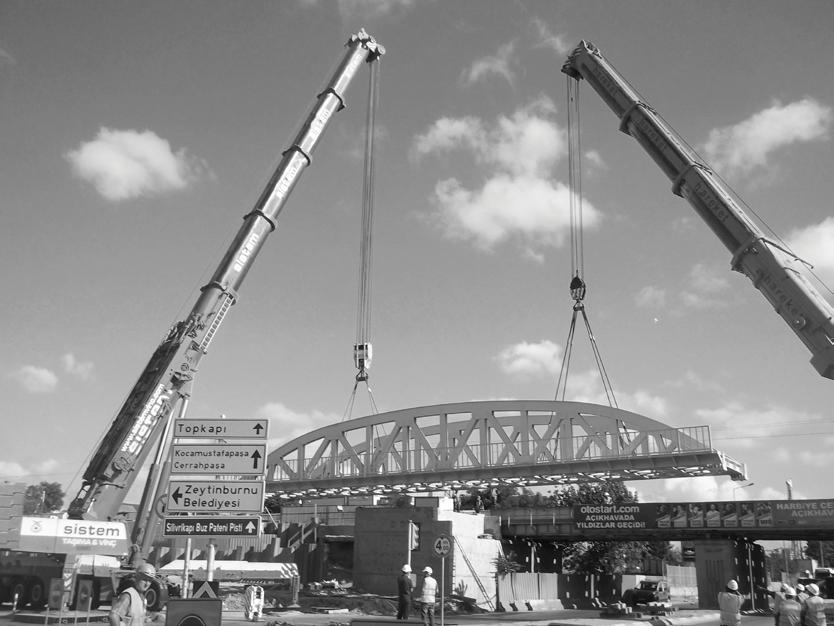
column 162, row 384
column 772, row 269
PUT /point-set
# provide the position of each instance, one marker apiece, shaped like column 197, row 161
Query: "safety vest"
column 813, row 611
column 429, row 591
column 135, row 615
column 730, row 607
column 789, row 612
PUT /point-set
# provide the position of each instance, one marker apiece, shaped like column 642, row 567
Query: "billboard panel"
column 746, row 514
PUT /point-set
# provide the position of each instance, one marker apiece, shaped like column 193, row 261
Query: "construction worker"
column 428, row 597
column 405, row 589
column 813, row 609
column 801, row 594
column 789, row 609
column 777, row 596
column 130, row 607
column 729, row 603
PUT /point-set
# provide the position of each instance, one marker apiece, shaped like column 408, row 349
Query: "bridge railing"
column 402, row 458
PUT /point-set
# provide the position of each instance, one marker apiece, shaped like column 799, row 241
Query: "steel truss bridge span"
column 481, row 444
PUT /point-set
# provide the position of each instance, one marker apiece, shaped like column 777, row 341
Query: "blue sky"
column 136, row 135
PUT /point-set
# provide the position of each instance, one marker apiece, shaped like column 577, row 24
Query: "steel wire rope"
column 577, row 285
column 362, row 345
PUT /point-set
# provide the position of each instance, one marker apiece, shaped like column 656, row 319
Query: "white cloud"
column 702, row 489
column 35, row 379
column 127, row 164
column 48, row 469
column 532, row 208
column 286, row 424
column 815, row 244
column 546, row 38
column 370, row 9
column 693, row 380
column 746, row 146
column 733, row 423
column 499, row 64
column 818, row 459
column 6, row 59
column 595, row 159
column 448, row 134
column 703, row 288
column 10, row 470
column 81, row 369
column 587, row 386
column 531, row 359
column 651, row 297
column 518, row 199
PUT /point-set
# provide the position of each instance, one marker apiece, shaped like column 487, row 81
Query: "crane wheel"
column 37, row 594
column 19, row 590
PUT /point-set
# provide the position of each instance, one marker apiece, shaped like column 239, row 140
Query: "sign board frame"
column 216, row 526
column 213, row 496
column 221, row 429
column 236, row 459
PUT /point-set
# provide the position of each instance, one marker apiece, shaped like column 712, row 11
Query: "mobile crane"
column 164, row 386
column 770, row 267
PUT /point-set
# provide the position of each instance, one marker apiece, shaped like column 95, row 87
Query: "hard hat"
column 789, row 591
column 732, row 585
column 146, row 570
column 783, row 588
column 812, row 589
column 407, row 568
column 427, row 570
column 800, row 587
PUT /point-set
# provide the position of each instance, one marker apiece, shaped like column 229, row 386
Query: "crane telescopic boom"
column 770, row 267
column 166, row 379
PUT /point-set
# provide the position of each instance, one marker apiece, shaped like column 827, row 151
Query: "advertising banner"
column 747, row 514
column 68, row 536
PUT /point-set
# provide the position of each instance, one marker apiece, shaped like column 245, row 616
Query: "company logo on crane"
column 246, row 252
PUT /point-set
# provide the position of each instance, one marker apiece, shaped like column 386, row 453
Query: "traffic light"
column 413, row 535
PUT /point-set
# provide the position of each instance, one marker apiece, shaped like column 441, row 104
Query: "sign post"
column 442, row 546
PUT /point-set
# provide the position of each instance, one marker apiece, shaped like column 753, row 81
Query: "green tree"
column 607, row 556
column 824, row 549
column 43, row 498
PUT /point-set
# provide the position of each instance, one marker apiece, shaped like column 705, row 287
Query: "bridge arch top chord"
column 488, row 443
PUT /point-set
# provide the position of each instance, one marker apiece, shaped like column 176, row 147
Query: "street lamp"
column 750, row 484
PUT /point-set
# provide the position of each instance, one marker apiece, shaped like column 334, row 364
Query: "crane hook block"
column 362, row 355
column 577, row 289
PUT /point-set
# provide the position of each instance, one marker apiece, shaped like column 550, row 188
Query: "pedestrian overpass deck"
column 488, row 443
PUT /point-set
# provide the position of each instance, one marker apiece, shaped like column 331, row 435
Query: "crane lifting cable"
column 577, row 283
column 362, row 347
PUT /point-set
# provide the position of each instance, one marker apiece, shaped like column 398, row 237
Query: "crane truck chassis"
column 164, row 387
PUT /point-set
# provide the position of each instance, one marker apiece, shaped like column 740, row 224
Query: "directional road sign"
column 221, row 429
column 198, row 458
column 243, row 526
column 205, row 496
